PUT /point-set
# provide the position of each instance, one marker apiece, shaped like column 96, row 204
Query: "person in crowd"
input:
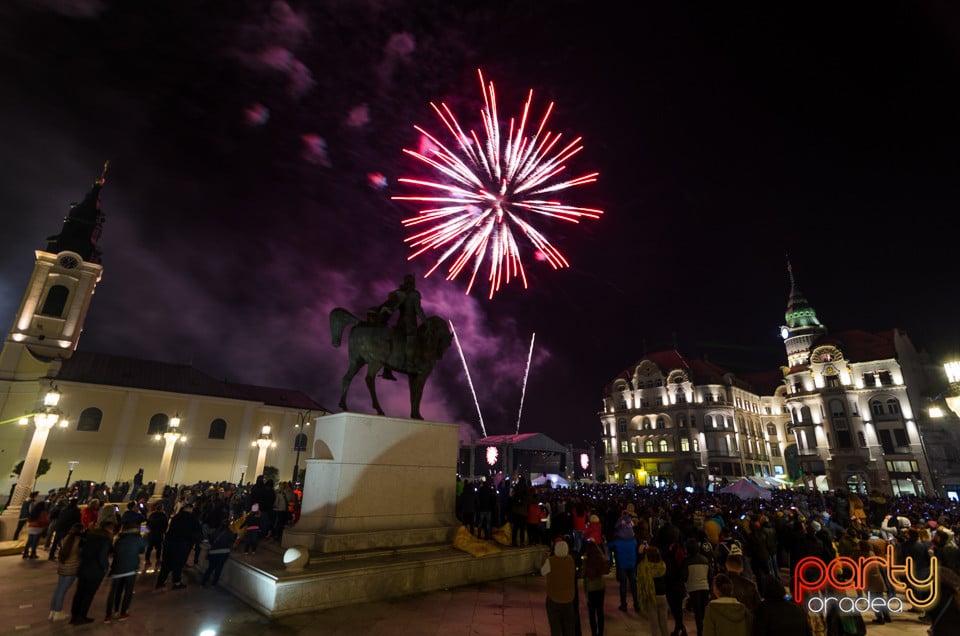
column 94, row 563
column 652, row 586
column 183, row 533
column 560, row 570
column 157, row 522
column 674, row 558
column 744, row 590
column 68, row 562
column 124, row 566
column 486, row 504
column 777, row 616
column 37, row 523
column 90, row 513
column 595, row 567
column 251, row 530
column 69, row 516
column 697, row 580
column 725, row 615
column 594, row 530
column 24, row 515
column 623, row 551
column 221, row 542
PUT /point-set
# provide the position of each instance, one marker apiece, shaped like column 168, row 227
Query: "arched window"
column 663, row 446
column 660, row 423
column 218, row 429
column 876, row 407
column 648, row 446
column 646, row 424
column 56, row 301
column 709, row 423
column 158, row 424
column 893, row 406
column 90, row 420
column 696, row 444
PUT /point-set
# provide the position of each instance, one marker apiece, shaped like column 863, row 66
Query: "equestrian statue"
column 407, row 347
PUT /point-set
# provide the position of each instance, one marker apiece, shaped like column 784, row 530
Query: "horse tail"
column 339, row 319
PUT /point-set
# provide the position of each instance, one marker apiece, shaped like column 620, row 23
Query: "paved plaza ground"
column 511, row 607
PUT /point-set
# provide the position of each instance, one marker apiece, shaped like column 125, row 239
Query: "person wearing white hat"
column 560, row 572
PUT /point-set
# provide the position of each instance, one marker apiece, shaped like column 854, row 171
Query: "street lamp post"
column 170, row 437
column 263, row 442
column 72, row 465
column 304, row 420
column 42, row 423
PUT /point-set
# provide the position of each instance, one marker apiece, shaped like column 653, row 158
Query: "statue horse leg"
column 372, row 370
column 417, row 382
column 355, row 365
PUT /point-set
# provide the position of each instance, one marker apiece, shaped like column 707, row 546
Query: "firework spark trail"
column 523, row 392
column 490, row 194
column 483, row 429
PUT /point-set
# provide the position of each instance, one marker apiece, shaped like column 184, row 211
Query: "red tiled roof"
column 862, row 346
column 111, row 370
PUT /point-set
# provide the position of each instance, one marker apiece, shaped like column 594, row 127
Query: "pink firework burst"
column 493, row 187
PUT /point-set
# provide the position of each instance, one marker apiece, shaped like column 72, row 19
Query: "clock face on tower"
column 784, row 333
column 68, row 262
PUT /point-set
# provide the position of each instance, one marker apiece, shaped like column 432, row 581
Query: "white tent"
column 746, row 489
column 555, row 480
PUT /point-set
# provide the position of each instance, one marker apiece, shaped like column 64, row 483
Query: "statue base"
column 375, row 482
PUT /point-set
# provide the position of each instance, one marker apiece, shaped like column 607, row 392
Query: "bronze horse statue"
column 377, row 344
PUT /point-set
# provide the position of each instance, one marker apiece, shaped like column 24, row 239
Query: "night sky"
column 239, row 210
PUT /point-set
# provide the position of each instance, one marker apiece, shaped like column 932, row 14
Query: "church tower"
column 802, row 327
column 48, row 324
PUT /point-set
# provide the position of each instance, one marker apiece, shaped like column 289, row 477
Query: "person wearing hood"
column 652, row 586
column 725, row 615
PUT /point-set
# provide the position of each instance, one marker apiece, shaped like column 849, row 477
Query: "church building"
column 102, row 417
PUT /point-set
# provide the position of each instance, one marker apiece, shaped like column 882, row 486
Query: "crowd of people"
column 93, row 538
column 714, row 563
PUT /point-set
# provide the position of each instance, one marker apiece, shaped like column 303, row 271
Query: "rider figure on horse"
column 406, row 301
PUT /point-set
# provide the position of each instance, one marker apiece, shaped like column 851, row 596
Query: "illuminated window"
column 624, row 447
column 682, row 421
column 696, row 445
column 684, row 444
column 663, row 446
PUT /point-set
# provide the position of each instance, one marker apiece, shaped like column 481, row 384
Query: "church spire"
column 82, row 226
column 802, row 327
column 799, row 311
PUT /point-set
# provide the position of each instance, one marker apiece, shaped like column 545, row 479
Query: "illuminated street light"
column 43, row 421
column 72, row 465
column 263, row 442
column 171, row 435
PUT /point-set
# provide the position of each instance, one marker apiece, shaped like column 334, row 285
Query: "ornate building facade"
column 850, row 410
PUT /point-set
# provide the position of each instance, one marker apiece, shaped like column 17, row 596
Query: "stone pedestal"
column 376, row 482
